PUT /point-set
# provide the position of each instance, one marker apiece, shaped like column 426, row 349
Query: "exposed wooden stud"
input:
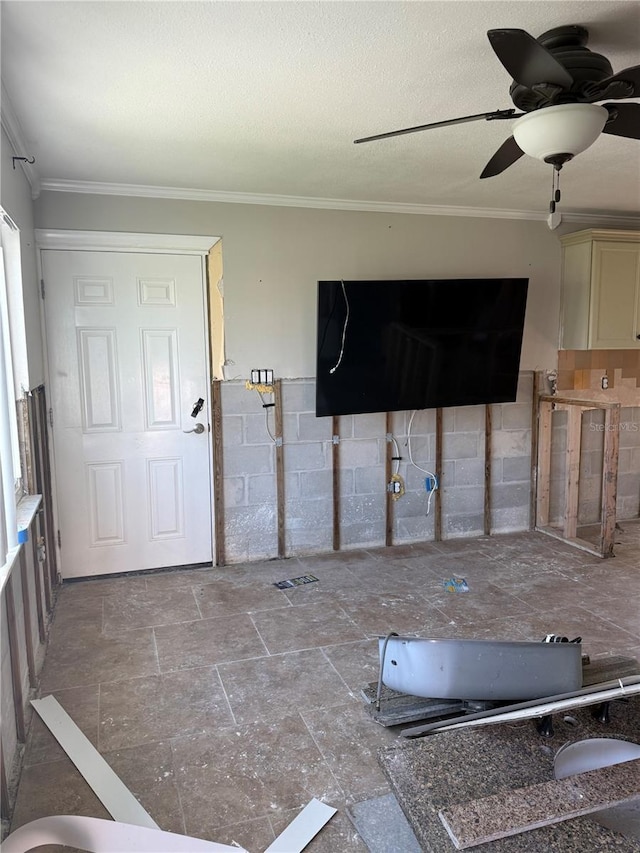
column 609, row 480
column 14, row 657
column 545, row 415
column 34, row 412
column 574, row 430
column 26, row 609
column 26, row 447
column 575, row 409
column 44, row 488
column 335, row 471
column 388, row 472
column 36, row 577
column 487, row 469
column 218, row 473
column 437, row 520
column 280, row 495
column 536, row 386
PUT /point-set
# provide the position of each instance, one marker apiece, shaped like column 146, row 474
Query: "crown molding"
column 121, row 241
column 15, row 134
column 185, row 194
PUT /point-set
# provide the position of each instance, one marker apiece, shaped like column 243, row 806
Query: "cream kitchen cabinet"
column 600, row 290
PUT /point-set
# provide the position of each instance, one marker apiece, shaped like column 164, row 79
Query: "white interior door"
column 127, row 353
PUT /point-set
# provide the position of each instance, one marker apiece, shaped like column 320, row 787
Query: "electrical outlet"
column 262, row 377
column 429, row 484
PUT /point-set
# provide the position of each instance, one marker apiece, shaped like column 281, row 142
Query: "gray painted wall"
column 273, row 257
column 15, row 197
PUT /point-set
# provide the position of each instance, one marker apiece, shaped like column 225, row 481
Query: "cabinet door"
column 615, row 296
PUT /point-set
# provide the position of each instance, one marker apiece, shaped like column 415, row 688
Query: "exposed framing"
column 335, row 477
column 547, row 405
column 437, row 519
column 280, row 495
column 487, row 469
column 388, row 473
column 218, row 472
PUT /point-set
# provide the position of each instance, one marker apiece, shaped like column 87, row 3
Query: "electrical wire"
column 397, row 455
column 344, row 329
column 266, row 407
column 436, row 484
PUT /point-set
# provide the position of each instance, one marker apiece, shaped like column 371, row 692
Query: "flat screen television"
column 385, row 346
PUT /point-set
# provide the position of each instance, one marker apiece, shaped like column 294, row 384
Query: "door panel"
column 127, row 360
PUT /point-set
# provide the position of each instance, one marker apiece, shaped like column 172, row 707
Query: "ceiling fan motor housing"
column 567, row 45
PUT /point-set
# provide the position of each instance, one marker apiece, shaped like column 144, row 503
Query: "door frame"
column 131, row 242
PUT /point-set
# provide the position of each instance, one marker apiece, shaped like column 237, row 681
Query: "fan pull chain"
column 555, row 190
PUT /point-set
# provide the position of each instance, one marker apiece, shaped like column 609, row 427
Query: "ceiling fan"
column 556, row 83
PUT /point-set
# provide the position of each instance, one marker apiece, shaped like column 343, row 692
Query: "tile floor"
column 226, row 704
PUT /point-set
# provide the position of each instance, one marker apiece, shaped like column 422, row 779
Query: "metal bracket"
column 335, row 439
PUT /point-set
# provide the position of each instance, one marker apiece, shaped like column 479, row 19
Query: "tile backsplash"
column 585, row 369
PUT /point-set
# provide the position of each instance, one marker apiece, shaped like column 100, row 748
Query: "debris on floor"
column 133, row 828
column 382, row 826
column 456, row 585
column 296, row 581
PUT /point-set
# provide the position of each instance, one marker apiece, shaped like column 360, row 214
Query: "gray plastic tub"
column 480, row 669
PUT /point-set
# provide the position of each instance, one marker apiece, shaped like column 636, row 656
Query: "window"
column 13, row 377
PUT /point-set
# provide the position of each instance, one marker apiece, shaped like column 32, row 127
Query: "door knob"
column 198, row 429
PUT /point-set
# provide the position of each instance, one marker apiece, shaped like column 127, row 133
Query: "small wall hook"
column 23, row 160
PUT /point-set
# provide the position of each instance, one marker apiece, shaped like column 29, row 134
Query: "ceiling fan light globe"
column 562, row 129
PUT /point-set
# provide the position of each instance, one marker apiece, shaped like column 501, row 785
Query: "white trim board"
column 303, row 828
column 109, row 788
column 186, row 194
column 106, row 836
column 124, row 241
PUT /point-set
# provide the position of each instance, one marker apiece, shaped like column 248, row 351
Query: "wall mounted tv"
column 385, row 346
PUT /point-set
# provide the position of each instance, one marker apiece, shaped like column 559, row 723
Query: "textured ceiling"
column 267, row 97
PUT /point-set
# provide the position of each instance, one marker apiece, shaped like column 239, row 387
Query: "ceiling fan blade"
column 504, row 157
column 497, row 114
column 528, row 62
column 624, row 120
column 624, row 84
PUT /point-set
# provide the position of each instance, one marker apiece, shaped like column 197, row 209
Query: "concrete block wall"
column 250, row 516
column 592, row 435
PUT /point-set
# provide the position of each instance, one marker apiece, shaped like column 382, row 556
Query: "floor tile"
column 224, row 597
column 349, row 744
column 266, row 688
column 207, row 642
column 378, row 613
column 81, row 703
column 143, row 710
column 83, row 658
column 239, row 774
column 148, row 609
column 148, row 771
column 304, row 627
column 357, row 663
column 52, row 789
column 599, row 636
column 227, row 738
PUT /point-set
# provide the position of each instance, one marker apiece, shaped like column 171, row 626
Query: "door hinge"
column 51, row 418
column 42, row 288
column 59, row 540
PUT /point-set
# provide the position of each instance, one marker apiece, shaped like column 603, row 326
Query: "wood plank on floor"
column 512, row 812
